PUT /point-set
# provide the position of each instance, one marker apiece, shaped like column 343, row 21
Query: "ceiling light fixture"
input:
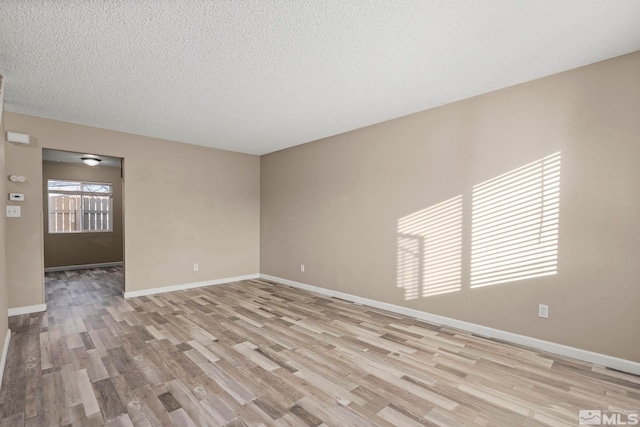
column 91, row 161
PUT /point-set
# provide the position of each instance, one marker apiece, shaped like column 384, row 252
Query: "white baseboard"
column 538, row 344
column 27, row 309
column 83, row 266
column 5, row 351
column 152, row 291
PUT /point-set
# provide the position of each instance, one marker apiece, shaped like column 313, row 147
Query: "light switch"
column 17, row 197
column 13, row 211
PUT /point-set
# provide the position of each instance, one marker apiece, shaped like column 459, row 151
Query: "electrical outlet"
column 196, row 267
column 543, row 311
column 302, row 267
column 13, row 211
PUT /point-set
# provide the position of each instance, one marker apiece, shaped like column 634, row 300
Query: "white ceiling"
column 258, row 76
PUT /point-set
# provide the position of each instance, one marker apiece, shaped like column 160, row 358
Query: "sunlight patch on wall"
column 514, row 231
column 430, row 250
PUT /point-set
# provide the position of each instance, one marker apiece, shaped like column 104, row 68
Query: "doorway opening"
column 83, row 223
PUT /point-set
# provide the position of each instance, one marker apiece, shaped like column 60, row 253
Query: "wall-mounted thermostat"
column 17, row 178
column 16, row 197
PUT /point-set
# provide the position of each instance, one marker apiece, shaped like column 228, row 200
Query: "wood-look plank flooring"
column 256, row 353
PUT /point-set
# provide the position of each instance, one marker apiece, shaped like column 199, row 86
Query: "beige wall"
column 3, row 267
column 63, row 249
column 183, row 204
column 334, row 204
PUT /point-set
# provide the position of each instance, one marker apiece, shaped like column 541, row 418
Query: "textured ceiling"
column 259, row 76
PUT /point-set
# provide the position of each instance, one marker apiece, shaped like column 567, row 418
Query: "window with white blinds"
column 76, row 207
column 514, row 231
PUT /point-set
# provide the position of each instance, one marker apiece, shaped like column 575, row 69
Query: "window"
column 76, row 207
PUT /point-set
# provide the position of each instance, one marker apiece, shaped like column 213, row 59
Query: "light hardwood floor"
column 258, row 353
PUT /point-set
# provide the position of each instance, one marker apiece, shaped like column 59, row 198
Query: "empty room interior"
column 319, row 213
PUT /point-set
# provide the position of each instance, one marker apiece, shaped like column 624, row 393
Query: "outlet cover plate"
column 13, row 211
column 543, row 311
